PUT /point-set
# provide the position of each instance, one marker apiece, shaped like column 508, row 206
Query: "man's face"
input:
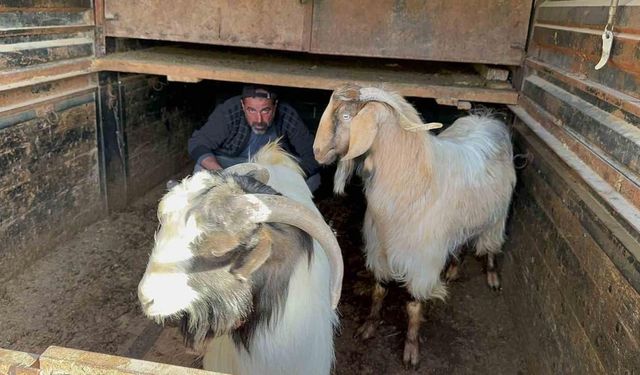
column 259, row 113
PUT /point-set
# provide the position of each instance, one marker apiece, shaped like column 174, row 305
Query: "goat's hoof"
column 367, row 330
column 493, row 280
column 411, row 355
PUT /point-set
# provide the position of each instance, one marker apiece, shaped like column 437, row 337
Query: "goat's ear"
column 363, row 130
column 255, row 258
column 326, row 129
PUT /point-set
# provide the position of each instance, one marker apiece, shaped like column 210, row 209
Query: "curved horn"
column 254, row 170
column 265, row 208
column 391, row 99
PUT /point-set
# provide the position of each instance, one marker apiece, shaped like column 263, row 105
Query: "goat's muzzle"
column 326, row 157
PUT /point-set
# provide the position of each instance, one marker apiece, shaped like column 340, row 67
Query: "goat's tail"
column 273, row 154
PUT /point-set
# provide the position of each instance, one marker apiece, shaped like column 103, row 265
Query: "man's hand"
column 210, row 163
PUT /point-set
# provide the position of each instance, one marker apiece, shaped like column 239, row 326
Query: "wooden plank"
column 46, row 73
column 23, row 55
column 9, row 358
column 44, row 30
column 35, row 17
column 612, row 137
column 275, row 24
column 492, row 73
column 483, row 31
column 613, row 204
column 578, row 50
column 457, row 82
column 70, row 361
column 611, row 324
column 618, row 100
column 23, row 98
column 9, row 4
column 591, row 14
column 625, row 184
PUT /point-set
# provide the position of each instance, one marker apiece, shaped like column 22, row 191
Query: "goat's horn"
column 379, row 95
column 254, row 170
column 278, row 209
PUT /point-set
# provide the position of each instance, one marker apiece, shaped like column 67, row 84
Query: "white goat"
column 426, row 195
column 232, row 259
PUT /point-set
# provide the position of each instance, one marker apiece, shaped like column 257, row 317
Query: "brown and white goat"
column 254, row 275
column 426, row 195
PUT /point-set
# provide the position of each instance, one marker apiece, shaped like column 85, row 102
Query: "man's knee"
column 313, row 182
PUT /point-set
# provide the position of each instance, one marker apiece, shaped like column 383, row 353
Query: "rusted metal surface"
column 609, row 319
column 49, row 167
column 452, row 82
column 589, row 312
column 625, row 184
column 612, row 138
column 567, row 35
column 276, row 24
column 494, row 32
column 611, row 100
column 591, row 14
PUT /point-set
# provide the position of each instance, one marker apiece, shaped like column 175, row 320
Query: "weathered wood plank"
column 619, row 236
column 456, row 82
column 29, row 97
column 617, row 138
column 42, row 31
column 578, row 52
column 44, row 52
column 10, row 358
column 35, row 17
column 589, row 15
column 7, row 4
column 606, row 98
column 70, row 361
column 626, row 183
column 12, row 79
column 609, row 324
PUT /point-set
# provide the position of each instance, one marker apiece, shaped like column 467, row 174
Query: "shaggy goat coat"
column 299, row 338
column 427, row 195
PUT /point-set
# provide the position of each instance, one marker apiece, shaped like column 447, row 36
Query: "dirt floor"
column 83, row 295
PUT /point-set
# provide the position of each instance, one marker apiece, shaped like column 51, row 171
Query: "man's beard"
column 260, row 127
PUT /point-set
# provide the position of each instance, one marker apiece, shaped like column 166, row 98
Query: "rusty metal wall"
column 576, row 220
column 479, row 31
column 49, row 176
column 279, row 24
column 494, row 32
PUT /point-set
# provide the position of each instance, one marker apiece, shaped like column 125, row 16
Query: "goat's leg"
column 452, row 271
column 493, row 280
column 489, row 244
column 368, row 329
column 411, row 354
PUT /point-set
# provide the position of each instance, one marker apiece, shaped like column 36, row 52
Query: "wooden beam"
column 492, row 73
column 427, row 81
column 70, row 361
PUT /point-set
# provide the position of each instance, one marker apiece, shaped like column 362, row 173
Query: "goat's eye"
column 346, row 116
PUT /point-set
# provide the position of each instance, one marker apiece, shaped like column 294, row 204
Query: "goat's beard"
column 214, row 315
column 343, row 174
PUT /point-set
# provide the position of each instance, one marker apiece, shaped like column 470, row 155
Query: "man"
column 240, row 126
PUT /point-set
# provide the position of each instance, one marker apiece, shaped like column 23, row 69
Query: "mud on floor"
column 83, row 295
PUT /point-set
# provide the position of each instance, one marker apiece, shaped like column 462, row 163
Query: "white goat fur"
column 301, row 340
column 429, row 194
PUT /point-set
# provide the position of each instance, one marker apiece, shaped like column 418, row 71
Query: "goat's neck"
column 401, row 161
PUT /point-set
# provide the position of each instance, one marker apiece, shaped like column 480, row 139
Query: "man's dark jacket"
column 227, row 132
